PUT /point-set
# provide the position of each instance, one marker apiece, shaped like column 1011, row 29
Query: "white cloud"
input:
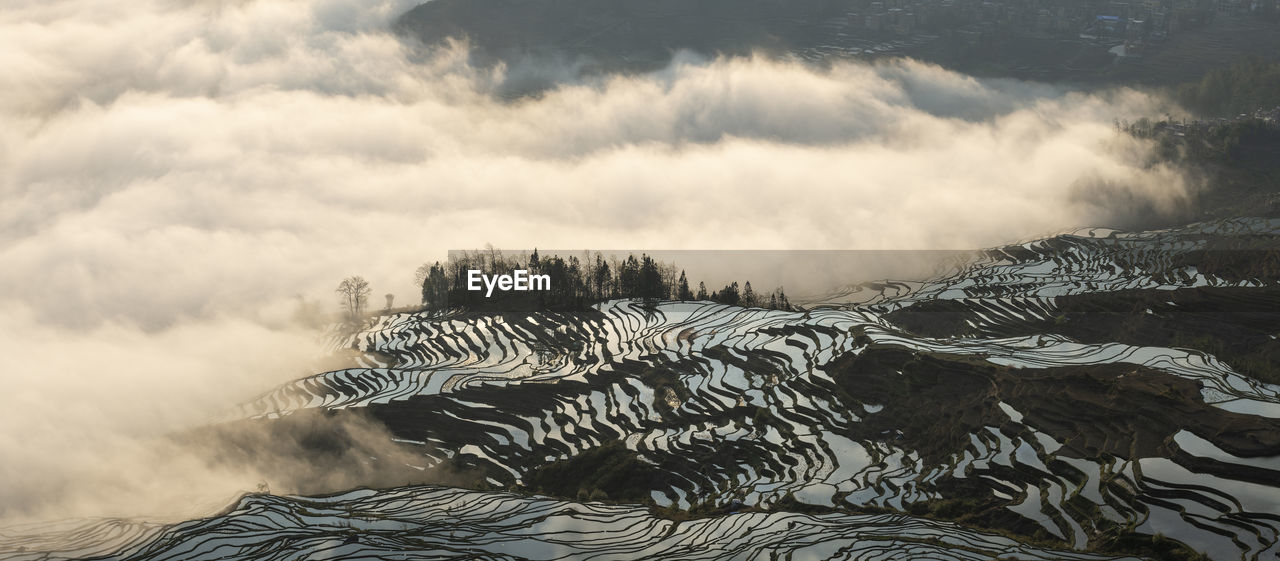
column 174, row 175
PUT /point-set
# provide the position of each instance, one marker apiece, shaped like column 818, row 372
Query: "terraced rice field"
column 753, row 414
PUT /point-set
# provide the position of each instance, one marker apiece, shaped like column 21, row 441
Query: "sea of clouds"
column 176, row 177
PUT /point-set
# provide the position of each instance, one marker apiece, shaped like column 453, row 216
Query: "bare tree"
column 424, row 270
column 494, row 256
column 355, row 295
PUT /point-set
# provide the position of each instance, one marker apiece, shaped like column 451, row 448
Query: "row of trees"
column 576, row 283
column 1242, row 140
column 730, row 294
column 1253, row 83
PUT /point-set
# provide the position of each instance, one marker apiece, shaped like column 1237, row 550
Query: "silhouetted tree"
column 495, row 257
column 778, row 300
column 649, row 281
column 728, row 295
column 670, row 280
column 749, row 296
column 355, row 295
column 629, row 278
column 604, row 278
column 435, row 287
column 682, row 288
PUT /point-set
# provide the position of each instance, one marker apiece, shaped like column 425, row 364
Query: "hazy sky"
column 174, row 174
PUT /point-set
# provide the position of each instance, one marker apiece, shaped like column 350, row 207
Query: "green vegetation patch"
column 1239, row 88
column 606, row 472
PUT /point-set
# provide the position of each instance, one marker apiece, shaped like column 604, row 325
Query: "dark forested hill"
column 1002, row 39
column 616, row 32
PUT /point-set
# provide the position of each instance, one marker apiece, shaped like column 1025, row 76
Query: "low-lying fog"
column 176, row 176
